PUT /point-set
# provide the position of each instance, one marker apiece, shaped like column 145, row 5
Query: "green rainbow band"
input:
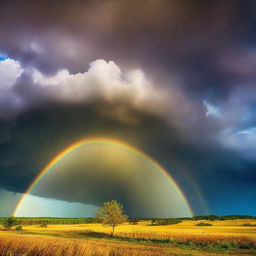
column 100, row 140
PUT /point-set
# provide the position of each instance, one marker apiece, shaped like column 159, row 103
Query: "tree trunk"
column 113, row 230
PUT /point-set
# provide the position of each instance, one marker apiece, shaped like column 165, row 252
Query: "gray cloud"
column 177, row 32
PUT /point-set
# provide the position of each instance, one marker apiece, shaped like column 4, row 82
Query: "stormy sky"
column 174, row 78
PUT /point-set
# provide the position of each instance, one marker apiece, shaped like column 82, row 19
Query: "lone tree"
column 9, row 222
column 111, row 214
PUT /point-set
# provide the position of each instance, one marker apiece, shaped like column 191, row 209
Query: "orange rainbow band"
column 100, row 140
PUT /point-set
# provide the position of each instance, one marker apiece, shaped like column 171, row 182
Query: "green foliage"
column 236, row 217
column 27, row 221
column 43, row 225
column 111, row 214
column 209, row 217
column 19, row 227
column 249, row 225
column 167, row 221
column 215, row 217
column 9, row 222
column 134, row 221
column 203, row 224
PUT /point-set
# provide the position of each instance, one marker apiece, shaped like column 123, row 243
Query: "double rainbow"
column 105, row 141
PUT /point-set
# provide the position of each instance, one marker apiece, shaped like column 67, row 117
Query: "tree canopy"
column 111, row 214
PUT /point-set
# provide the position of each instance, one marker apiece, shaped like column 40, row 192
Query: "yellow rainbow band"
column 100, row 140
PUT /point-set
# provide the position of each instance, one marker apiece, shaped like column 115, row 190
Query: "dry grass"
column 60, row 247
column 16, row 245
column 201, row 241
column 41, row 246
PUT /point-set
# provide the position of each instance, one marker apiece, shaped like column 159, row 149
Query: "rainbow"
column 105, row 141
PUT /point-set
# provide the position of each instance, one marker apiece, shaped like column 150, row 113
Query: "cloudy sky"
column 174, row 78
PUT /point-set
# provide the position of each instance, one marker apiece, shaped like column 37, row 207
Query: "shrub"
column 161, row 222
column 249, row 225
column 9, row 222
column 202, row 224
column 133, row 221
column 18, row 227
column 43, row 225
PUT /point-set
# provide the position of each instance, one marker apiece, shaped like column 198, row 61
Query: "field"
column 186, row 238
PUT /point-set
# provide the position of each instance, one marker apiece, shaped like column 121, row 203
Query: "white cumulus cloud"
column 125, row 92
column 10, row 70
column 103, row 80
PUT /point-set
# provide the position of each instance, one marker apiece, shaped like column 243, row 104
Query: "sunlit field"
column 225, row 228
column 222, row 238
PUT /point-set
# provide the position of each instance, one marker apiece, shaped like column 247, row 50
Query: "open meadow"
column 229, row 237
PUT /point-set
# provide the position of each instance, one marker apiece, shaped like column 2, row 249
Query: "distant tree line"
column 168, row 221
column 215, row 217
column 154, row 221
column 48, row 221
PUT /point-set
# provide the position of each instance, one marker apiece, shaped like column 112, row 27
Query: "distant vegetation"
column 25, row 221
column 18, row 227
column 169, row 221
column 203, row 224
column 249, row 225
column 9, row 222
column 215, row 217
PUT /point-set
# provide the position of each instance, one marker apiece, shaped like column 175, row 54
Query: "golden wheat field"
column 222, row 238
column 225, row 228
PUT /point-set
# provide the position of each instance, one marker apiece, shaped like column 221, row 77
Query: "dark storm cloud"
column 8, row 201
column 179, row 33
column 195, row 38
column 190, row 37
column 46, row 130
column 38, row 135
column 198, row 56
